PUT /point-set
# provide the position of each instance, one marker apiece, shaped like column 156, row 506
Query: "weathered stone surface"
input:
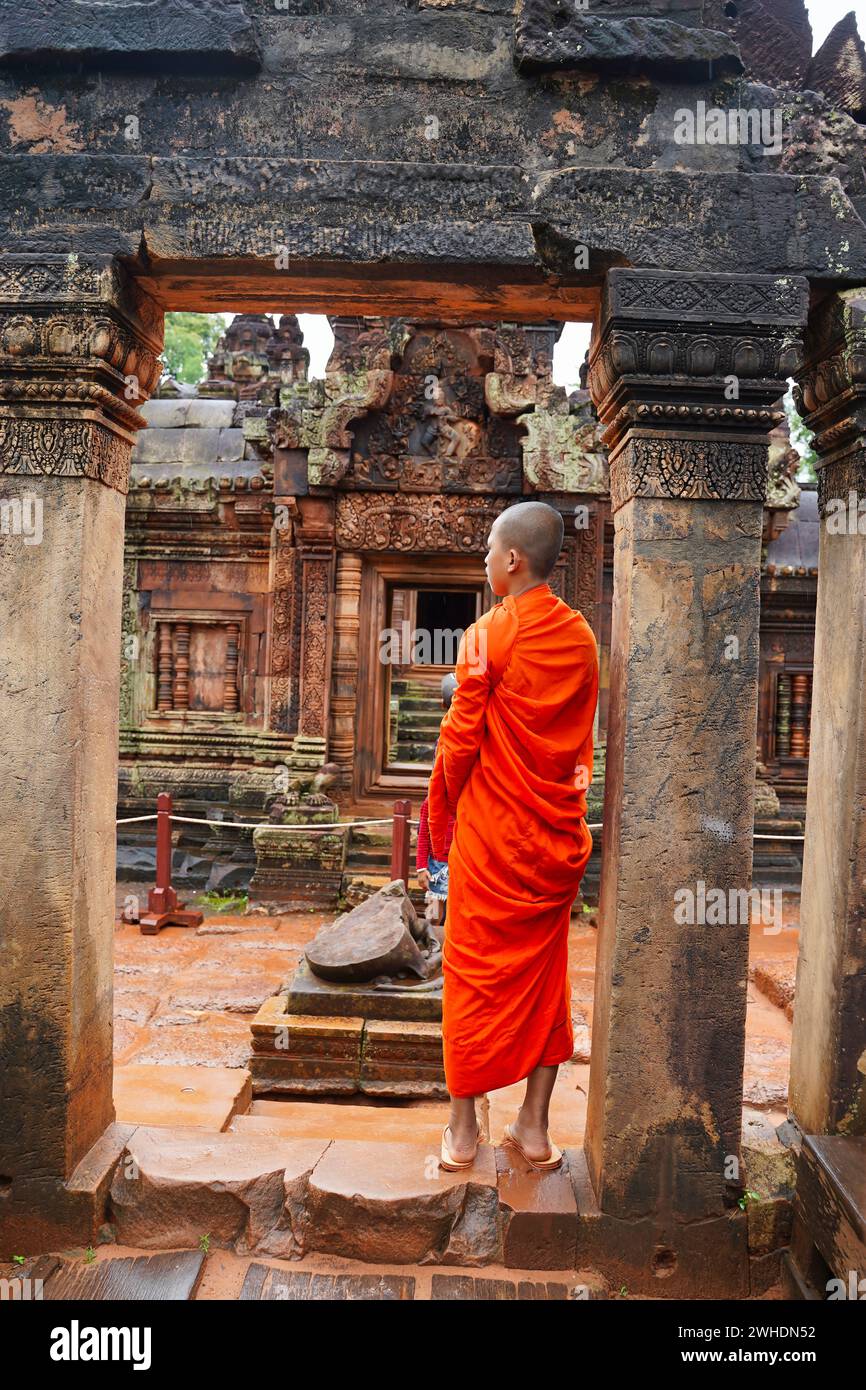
column 375, row 938
column 828, row 1073
column 187, row 413
column 680, row 497
column 777, row 980
column 174, row 1186
column 267, row 1282
column 393, row 1203
column 402, row 1058
column 770, row 1166
column 770, row 1222
column 385, row 999
column 774, row 36
column 60, row 577
column 839, row 68
column 540, row 1212
column 626, row 44
column 301, row 1054
column 199, row 1097
column 135, row 30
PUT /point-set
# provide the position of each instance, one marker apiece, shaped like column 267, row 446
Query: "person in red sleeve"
column 432, row 873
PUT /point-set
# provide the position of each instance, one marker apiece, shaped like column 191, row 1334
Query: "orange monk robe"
column 519, row 728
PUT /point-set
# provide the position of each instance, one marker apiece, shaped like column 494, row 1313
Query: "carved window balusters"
column 164, row 672
column 792, row 722
column 184, row 686
column 181, row 666
column 231, row 698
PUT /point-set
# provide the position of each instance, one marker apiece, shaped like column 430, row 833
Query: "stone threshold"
column 266, row 1195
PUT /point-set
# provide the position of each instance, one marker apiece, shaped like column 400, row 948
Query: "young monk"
column 514, row 762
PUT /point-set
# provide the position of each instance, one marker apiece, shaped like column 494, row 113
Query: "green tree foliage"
column 802, row 440
column 189, row 340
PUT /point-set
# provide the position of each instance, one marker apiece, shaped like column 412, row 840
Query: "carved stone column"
column 344, row 695
column 827, row 1093
column 688, row 468
column 284, row 620
column 78, row 351
column 317, row 556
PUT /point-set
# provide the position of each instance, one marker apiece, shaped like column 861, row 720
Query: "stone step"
column 418, row 704
column 268, row 1194
column 416, row 725
column 322, row 1200
column 383, row 1283
column 415, row 688
column 363, row 857
column 422, row 1122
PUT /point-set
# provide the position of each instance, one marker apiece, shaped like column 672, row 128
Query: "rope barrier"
column 327, row 827
column 331, row 826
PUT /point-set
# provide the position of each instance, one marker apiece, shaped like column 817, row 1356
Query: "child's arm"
column 423, row 851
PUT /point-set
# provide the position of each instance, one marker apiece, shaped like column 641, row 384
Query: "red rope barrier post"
column 400, row 842
column 163, row 907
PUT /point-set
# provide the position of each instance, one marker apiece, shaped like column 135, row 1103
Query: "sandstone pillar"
column 828, row 1055
column 78, row 351
column 316, row 549
column 686, row 372
column 344, row 685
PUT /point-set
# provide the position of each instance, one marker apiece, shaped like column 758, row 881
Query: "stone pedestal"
column 295, row 869
column 685, row 371
column 78, row 349
column 314, row 1054
column 420, row 1003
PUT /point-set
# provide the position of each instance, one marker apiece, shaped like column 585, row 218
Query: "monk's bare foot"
column 462, row 1138
column 532, row 1136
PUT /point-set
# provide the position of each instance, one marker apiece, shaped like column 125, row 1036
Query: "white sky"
column 824, row 15
column 319, row 340
column 572, row 345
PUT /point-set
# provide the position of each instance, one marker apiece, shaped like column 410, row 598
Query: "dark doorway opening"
column 441, row 609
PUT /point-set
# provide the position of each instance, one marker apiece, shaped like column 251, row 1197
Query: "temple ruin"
column 202, row 613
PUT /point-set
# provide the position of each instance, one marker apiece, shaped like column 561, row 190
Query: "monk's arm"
column 459, row 738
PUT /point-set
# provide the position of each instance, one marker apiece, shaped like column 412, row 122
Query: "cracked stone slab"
column 137, row 33
column 549, row 35
column 391, row 1203
column 172, row 1187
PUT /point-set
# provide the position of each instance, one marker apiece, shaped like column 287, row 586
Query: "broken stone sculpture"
column 379, row 940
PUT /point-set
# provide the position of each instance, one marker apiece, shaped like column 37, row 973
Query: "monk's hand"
column 424, row 878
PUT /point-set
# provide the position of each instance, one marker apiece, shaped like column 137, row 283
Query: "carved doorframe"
column 381, row 569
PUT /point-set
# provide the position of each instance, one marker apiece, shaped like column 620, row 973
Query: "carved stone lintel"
column 395, row 522
column 79, row 352
column 831, row 394
column 687, row 374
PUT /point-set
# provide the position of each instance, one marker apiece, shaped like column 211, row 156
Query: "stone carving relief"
column 434, row 431
column 727, row 470
column 395, row 523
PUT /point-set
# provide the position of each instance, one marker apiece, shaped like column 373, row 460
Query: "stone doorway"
column 636, row 1137
column 426, row 625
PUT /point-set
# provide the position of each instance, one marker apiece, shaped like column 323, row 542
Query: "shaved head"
column 536, row 530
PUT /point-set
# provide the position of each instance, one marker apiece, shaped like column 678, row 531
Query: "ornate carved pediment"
column 436, row 432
